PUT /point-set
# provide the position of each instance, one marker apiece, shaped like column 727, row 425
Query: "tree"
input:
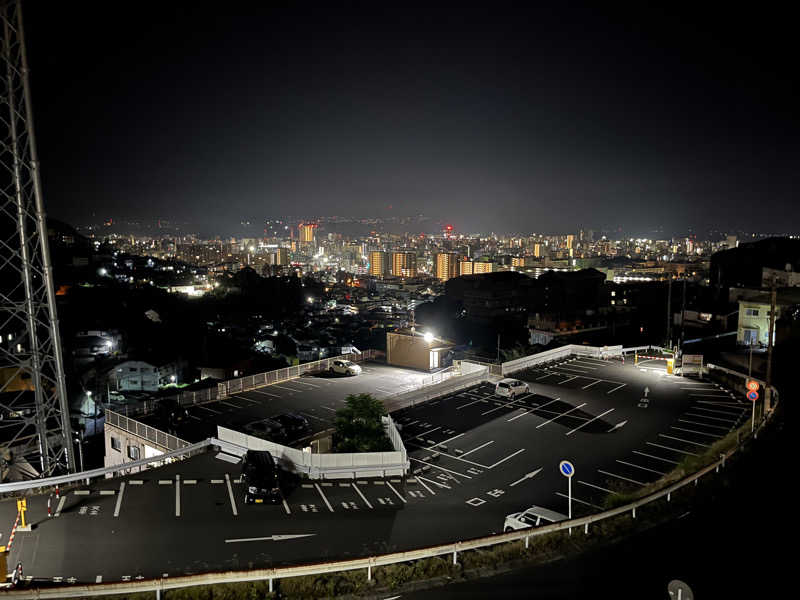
column 359, row 427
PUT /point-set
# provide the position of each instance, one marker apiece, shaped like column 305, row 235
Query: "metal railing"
column 368, row 563
column 146, row 432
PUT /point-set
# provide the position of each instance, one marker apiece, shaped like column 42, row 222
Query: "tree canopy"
column 359, row 427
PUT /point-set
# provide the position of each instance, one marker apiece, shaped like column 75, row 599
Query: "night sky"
column 505, row 117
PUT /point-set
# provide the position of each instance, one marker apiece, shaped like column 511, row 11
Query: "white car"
column 345, row 367
column 532, row 517
column 511, row 388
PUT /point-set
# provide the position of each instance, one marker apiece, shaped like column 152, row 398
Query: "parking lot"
column 316, row 397
column 475, row 458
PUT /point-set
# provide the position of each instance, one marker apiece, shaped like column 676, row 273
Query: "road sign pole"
column 753, row 419
column 569, row 495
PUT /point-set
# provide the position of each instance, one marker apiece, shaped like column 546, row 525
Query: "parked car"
column 293, row 424
column 511, row 388
column 266, row 429
column 532, row 517
column 260, row 477
column 345, row 367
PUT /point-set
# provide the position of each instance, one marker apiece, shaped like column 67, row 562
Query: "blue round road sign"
column 566, row 468
column 753, row 395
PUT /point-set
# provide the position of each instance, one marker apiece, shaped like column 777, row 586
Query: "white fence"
column 453, row 384
column 151, row 434
column 559, row 353
column 251, row 382
column 329, row 465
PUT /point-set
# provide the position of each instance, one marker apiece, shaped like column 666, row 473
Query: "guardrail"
column 421, row 394
column 368, row 563
column 146, row 432
column 557, row 353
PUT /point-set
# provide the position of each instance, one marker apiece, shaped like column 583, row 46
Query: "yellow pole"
column 635, row 357
column 22, row 506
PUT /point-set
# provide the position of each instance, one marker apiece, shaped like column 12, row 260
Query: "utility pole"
column 768, row 390
column 669, row 312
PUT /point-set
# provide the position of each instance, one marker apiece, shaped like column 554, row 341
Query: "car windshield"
column 346, row 363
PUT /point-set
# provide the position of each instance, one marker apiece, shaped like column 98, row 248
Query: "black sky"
column 504, row 116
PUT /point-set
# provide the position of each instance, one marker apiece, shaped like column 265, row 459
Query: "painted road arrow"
column 530, row 475
column 617, row 426
column 271, row 538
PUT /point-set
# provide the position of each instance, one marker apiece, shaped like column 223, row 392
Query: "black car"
column 260, row 476
column 267, row 429
column 295, row 425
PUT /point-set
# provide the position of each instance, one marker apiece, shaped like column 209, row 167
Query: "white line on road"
column 478, row 448
column 591, row 384
column 426, row 432
column 669, row 437
column 283, row 387
column 616, row 388
column 265, row 393
column 230, row 495
column 602, row 489
column 561, row 415
column 711, row 435
column 211, row 410
column 319, row 489
column 446, row 470
column 430, row 491
column 441, row 485
column 726, row 428
column 530, row 475
column 568, row 379
column 579, row 501
column 448, row 440
column 270, row 538
column 622, row 462
column 363, row 497
column 666, row 460
column 728, row 420
column 229, row 404
column 286, row 507
column 107, row 492
column 328, row 408
column 82, row 492
column 396, row 493
column 119, row 499
column 670, row 448
column 502, row 460
column 589, row 421
column 621, row 477
column 246, row 399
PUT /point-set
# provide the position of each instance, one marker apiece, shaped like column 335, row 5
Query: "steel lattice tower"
column 34, row 422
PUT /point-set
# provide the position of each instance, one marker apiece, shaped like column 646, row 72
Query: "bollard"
column 668, row 496
column 58, row 492
column 369, row 572
column 270, row 585
column 634, row 512
column 586, row 529
column 455, row 557
column 49, row 508
column 526, row 541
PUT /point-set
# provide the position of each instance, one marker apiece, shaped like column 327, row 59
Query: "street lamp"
column 428, row 337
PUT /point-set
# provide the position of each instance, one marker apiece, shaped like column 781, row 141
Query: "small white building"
column 134, row 375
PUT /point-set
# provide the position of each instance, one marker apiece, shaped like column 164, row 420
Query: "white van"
column 511, row 388
column 532, row 517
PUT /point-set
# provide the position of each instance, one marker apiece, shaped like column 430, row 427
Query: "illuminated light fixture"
column 428, row 337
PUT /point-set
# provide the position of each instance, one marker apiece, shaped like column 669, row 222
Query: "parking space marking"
column 727, row 428
column 328, row 408
column 502, row 406
column 426, row 432
column 585, row 365
column 286, row 506
column 226, row 403
column 669, row 437
column 602, row 489
column 211, row 410
column 533, row 409
column 363, row 497
column 396, row 493
column 621, row 477
column 448, row 440
column 470, row 403
column 635, row 466
column 568, row 379
column 283, row 387
column 478, row 448
column 673, row 449
column 230, row 495
column 579, row 501
column 723, row 404
column 506, row 458
column 430, row 491
column 265, row 393
column 591, row 384
column 666, row 460
column 321, row 493
column 616, row 388
column 713, row 395
column 308, row 384
column 728, row 420
column 721, row 409
column 547, row 375
column 561, row 415
column 589, row 421
column 712, row 435
column 116, row 508
column 447, row 470
column 458, row 458
column 245, row 398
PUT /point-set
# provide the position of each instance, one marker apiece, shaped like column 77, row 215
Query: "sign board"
column 752, row 395
column 752, row 385
column 566, row 468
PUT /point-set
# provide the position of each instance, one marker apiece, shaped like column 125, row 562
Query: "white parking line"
column 585, row 365
column 447, row 470
column 616, row 388
column 673, row 449
column 712, row 418
column 470, row 403
column 726, row 428
column 712, row 435
column 230, row 495
column 211, row 410
column 568, row 379
column 622, row 462
column 561, row 415
column 589, row 421
column 308, row 384
column 447, row 440
column 666, row 460
column 263, row 393
column 478, row 448
column 722, row 410
column 591, row 384
column 363, row 497
column 319, row 489
column 579, row 501
column 283, row 387
column 506, row 458
column 441, row 485
column 602, row 489
column 61, row 504
column 177, row 495
column 396, row 493
column 286, row 507
column 714, row 395
column 430, row 491
column 246, row 399
column 621, row 477
column 669, row 437
column 543, row 376
column 119, row 500
column 426, row 432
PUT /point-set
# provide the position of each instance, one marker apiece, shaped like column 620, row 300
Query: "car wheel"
column 330, row 370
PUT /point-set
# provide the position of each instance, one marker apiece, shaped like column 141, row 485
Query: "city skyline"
column 539, row 121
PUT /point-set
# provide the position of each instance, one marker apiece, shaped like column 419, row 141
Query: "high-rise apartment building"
column 482, row 267
column 306, row 232
column 446, row 265
column 465, row 267
column 404, row 264
column 378, row 263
